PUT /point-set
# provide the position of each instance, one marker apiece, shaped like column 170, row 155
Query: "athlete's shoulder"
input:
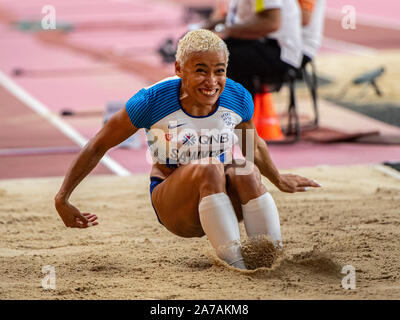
column 237, row 98
column 152, row 103
column 166, row 85
column 235, row 90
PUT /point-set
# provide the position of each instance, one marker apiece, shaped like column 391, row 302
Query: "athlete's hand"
column 293, row 183
column 73, row 218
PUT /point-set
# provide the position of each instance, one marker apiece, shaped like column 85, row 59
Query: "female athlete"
column 197, row 186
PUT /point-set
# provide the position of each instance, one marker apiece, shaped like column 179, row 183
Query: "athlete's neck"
column 193, row 107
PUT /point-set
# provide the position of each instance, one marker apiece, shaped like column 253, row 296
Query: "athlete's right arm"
column 115, row 131
column 306, row 7
column 264, row 23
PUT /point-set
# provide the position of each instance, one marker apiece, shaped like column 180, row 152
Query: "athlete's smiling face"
column 203, row 77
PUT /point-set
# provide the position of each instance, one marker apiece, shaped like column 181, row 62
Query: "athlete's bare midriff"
column 161, row 171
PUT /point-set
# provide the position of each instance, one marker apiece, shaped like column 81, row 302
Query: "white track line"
column 348, row 47
column 70, row 132
column 36, row 151
column 387, row 170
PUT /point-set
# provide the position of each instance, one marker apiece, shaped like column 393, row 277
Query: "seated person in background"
column 209, row 193
column 313, row 27
column 306, row 7
column 263, row 38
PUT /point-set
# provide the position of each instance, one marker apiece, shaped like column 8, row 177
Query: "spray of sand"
column 259, row 252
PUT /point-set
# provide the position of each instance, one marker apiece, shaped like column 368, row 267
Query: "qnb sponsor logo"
column 207, row 137
column 189, row 139
column 218, row 138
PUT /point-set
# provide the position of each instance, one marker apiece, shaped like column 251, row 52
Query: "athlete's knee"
column 186, row 230
column 209, row 173
column 249, row 184
column 248, row 173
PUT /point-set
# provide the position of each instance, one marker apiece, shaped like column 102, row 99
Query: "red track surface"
column 110, row 55
column 22, row 128
column 369, row 36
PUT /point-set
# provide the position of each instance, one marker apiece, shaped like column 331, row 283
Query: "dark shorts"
column 154, row 182
column 254, row 58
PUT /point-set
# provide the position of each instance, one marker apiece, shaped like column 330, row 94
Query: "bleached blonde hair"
column 199, row 41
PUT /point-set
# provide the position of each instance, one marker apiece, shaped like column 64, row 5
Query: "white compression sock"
column 261, row 216
column 220, row 224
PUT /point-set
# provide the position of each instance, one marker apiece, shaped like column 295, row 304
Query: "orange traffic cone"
column 265, row 118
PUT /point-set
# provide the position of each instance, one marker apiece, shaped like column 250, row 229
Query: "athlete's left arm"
column 262, row 159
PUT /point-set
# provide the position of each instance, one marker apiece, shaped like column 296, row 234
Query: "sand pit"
column 342, row 69
column 353, row 220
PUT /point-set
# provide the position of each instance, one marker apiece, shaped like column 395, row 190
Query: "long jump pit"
column 340, row 242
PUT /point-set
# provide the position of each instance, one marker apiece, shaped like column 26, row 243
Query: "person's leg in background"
column 250, row 59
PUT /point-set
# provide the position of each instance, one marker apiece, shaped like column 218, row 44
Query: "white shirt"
column 289, row 33
column 312, row 33
column 176, row 137
column 243, row 11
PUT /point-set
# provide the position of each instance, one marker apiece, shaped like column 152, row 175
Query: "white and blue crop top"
column 176, row 137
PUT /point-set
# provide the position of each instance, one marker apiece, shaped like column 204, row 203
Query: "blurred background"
column 58, row 86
